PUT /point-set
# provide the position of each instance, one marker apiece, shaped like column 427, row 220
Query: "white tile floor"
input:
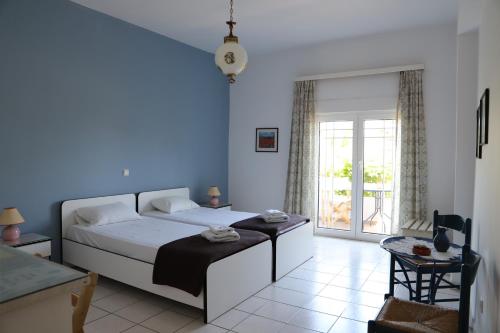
column 338, row 290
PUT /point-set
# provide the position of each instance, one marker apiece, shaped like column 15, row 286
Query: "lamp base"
column 214, row 202
column 11, row 233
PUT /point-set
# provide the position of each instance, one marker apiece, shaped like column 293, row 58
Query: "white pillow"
column 105, row 214
column 173, row 204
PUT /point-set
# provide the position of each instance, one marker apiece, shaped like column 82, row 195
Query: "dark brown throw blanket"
column 183, row 263
column 273, row 230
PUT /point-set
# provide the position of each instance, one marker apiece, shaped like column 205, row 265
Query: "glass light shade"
column 231, row 58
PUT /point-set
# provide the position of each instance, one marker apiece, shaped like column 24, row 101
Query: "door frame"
column 358, row 119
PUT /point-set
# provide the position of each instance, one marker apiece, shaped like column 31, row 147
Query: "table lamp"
column 214, row 192
column 11, row 217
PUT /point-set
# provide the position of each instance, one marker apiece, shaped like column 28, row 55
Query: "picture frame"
column 484, row 105
column 266, row 140
column 479, row 147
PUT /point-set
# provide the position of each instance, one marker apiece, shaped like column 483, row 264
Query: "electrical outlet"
column 126, row 172
column 481, row 306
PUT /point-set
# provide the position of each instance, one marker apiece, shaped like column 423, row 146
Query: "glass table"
column 400, row 248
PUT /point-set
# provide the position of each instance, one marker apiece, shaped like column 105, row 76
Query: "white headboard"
column 144, row 199
column 69, row 207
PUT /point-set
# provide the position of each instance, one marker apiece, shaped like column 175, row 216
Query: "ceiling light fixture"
column 231, row 58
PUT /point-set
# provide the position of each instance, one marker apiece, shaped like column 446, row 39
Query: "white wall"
column 262, row 97
column 486, row 221
column 467, row 67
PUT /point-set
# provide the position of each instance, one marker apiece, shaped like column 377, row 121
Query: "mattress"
column 203, row 216
column 137, row 239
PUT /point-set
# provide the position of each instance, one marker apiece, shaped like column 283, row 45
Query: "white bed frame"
column 292, row 248
column 229, row 281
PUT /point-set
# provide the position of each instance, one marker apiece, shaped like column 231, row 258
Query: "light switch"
column 126, row 172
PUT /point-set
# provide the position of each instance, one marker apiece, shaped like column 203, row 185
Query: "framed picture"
column 484, row 106
column 479, row 147
column 266, row 140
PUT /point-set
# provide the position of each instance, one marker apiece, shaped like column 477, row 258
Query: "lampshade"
column 10, row 216
column 231, row 58
column 213, row 191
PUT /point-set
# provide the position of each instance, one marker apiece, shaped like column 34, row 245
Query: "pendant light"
column 231, row 58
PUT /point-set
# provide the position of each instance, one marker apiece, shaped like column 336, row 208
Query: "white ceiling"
column 270, row 25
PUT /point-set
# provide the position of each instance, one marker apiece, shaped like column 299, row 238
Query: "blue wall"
column 84, row 95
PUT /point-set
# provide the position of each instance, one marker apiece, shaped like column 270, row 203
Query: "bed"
column 127, row 255
column 287, row 255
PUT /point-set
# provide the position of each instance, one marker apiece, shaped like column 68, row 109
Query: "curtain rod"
column 364, row 72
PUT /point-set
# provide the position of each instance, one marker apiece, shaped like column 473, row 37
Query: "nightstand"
column 31, row 243
column 221, row 205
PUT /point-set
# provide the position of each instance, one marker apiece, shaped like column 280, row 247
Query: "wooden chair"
column 426, row 268
column 81, row 303
column 401, row 316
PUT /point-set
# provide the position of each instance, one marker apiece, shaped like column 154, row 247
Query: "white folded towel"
column 273, row 212
column 231, row 236
column 274, row 216
column 220, row 229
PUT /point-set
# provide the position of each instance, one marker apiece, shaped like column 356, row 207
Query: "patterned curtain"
column 301, row 181
column 413, row 160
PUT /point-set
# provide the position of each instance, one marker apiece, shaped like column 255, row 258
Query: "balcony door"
column 357, row 162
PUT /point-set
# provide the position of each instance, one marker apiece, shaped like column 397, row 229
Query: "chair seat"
column 412, row 317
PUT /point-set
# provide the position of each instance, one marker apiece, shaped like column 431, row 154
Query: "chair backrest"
column 468, row 275
column 454, row 222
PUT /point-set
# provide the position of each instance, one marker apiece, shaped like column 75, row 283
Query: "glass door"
column 357, row 154
column 336, row 143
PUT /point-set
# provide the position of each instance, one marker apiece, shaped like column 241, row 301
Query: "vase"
column 441, row 241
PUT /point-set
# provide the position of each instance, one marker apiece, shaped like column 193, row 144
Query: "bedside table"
column 32, row 244
column 221, row 205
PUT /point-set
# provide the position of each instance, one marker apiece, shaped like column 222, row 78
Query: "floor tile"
column 186, row 310
column 295, row 329
column 375, row 287
column 352, row 282
column 348, row 326
column 252, row 304
column 379, row 277
column 230, row 319
column 108, row 324
column 322, row 267
column 369, row 299
column 313, row 320
column 360, row 312
column 94, row 313
column 327, row 305
column 286, row 296
column 199, row 326
column 140, row 311
column 101, row 291
column 167, row 322
column 303, row 286
column 138, row 329
column 256, row 324
column 309, row 275
column 339, row 293
column 116, row 302
column 277, row 311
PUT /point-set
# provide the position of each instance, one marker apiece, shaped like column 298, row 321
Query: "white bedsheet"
column 138, row 239
column 202, row 216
